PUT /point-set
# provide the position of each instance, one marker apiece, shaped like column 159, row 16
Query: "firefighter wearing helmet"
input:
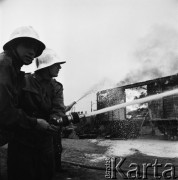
column 23, row 46
column 42, row 97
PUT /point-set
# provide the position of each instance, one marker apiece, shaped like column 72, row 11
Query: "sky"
column 105, row 42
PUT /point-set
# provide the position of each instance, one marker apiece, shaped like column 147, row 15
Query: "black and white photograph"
column 88, row 89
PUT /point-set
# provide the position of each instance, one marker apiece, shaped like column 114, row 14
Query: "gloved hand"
column 53, row 130
column 42, row 124
column 56, row 121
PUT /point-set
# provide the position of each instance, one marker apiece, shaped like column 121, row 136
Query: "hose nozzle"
column 66, row 120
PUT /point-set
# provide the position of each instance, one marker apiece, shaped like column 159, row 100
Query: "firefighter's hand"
column 42, row 124
column 46, row 127
column 53, row 130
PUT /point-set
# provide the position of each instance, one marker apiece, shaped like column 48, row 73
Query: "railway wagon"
column 161, row 114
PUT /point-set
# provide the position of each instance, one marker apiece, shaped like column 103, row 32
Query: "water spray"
column 76, row 118
column 137, row 101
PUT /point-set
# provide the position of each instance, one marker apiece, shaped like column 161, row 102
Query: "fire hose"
column 66, row 120
column 75, row 117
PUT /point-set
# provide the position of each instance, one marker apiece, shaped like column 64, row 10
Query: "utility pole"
column 91, row 106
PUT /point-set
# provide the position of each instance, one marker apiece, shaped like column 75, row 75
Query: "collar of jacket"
column 17, row 64
column 34, row 84
column 31, row 84
column 41, row 79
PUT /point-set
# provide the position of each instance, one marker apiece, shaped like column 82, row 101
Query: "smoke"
column 157, row 55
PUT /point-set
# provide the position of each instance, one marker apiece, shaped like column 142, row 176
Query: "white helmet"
column 48, row 58
column 23, row 33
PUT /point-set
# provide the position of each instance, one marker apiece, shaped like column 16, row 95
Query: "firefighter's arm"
column 10, row 116
column 58, row 116
column 58, row 107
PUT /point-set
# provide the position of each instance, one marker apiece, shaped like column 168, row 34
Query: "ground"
column 85, row 159
column 78, row 173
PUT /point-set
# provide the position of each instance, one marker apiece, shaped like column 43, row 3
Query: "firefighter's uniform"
column 42, row 99
column 13, row 120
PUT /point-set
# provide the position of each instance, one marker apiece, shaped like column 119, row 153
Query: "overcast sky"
column 101, row 40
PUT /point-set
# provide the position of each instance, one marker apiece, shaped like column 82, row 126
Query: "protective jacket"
column 11, row 82
column 11, row 79
column 41, row 99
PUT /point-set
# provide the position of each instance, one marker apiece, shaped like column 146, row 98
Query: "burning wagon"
column 161, row 114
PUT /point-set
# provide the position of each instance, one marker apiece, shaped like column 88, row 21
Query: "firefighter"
column 42, row 97
column 24, row 45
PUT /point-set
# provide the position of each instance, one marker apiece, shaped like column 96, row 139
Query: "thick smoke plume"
column 157, row 55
